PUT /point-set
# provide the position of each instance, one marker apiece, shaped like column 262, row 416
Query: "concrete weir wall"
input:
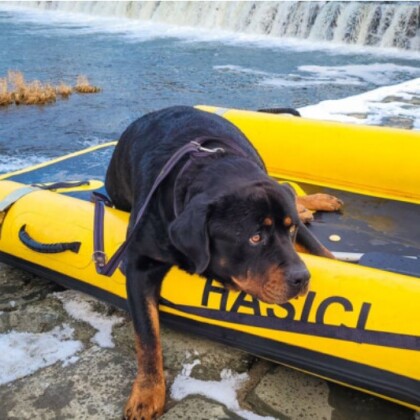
column 380, row 24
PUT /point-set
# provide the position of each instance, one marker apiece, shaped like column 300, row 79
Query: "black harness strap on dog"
column 193, row 148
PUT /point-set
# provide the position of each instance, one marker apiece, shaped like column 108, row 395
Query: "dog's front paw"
column 305, row 215
column 145, row 402
column 321, row 202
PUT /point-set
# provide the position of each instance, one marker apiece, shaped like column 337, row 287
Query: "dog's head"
column 245, row 238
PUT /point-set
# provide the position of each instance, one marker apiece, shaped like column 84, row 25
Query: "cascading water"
column 380, row 24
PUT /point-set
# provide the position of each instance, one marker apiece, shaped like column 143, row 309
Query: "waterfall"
column 380, row 24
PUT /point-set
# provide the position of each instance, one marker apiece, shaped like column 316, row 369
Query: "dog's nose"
column 299, row 278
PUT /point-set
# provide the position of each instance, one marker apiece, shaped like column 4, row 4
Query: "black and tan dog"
column 223, row 218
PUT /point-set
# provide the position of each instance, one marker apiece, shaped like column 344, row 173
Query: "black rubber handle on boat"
column 64, row 185
column 47, row 248
column 291, row 111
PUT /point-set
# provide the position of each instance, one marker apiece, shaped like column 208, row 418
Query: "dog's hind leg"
column 144, row 279
column 320, row 202
column 308, row 204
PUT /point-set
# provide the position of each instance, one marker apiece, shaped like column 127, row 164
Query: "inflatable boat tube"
column 377, row 161
column 358, row 326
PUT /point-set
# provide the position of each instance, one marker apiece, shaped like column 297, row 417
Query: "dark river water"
column 144, row 67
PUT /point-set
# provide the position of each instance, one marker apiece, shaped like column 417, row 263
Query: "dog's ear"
column 284, row 190
column 189, row 234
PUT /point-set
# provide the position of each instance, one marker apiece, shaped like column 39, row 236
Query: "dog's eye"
column 255, row 239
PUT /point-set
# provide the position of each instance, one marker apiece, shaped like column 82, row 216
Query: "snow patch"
column 372, row 105
column 23, row 353
column 223, row 391
column 80, row 307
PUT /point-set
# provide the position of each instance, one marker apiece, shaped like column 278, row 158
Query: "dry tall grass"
column 5, row 96
column 32, row 93
column 64, row 90
column 14, row 89
column 83, row 85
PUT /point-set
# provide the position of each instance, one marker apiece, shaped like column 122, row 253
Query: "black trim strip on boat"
column 357, row 335
column 361, row 376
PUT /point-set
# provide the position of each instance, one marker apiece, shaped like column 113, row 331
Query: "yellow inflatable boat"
column 359, row 325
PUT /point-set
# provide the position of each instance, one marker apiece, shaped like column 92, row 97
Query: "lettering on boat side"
column 335, row 317
column 312, row 308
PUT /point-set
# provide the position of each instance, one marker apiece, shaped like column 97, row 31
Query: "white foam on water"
column 375, row 73
column 23, row 353
column 321, row 76
column 80, row 307
column 370, row 106
column 308, row 75
column 91, row 141
column 232, row 68
column 136, row 30
column 14, row 163
column 223, row 391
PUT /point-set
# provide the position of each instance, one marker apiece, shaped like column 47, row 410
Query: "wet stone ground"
column 95, row 383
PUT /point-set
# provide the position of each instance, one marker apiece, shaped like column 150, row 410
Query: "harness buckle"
column 100, row 258
column 200, row 148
